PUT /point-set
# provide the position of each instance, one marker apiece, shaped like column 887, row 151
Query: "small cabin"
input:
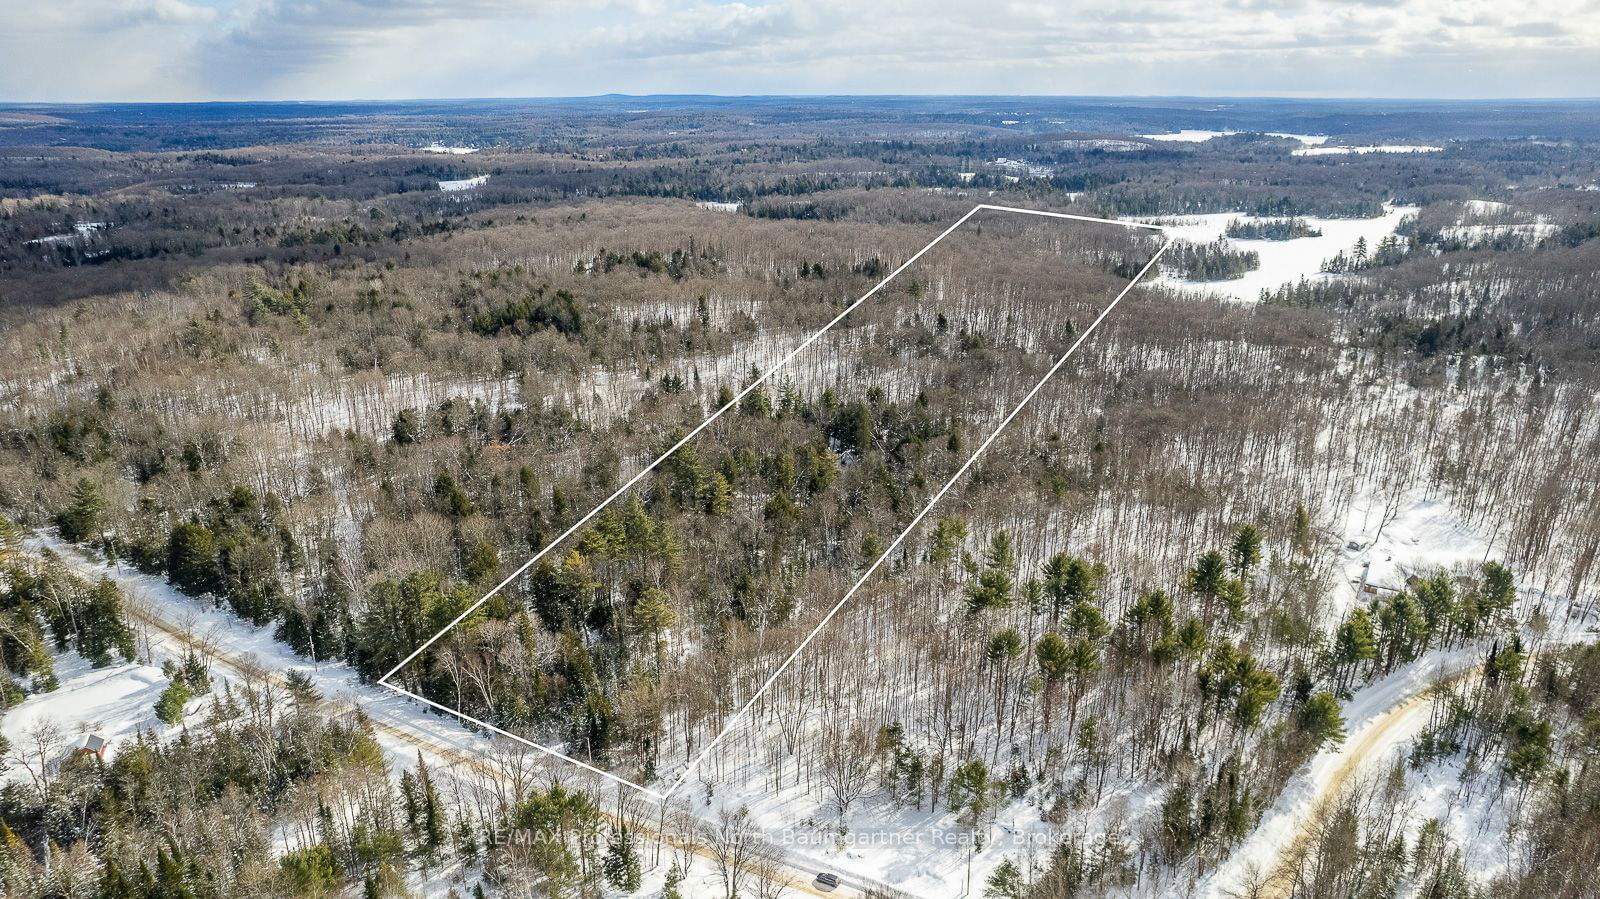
column 91, row 743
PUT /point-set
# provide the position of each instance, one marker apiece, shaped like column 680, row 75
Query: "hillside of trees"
column 342, row 405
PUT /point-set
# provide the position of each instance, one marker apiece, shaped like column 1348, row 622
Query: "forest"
column 277, row 412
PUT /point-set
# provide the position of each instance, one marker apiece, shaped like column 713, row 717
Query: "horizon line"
column 1309, row 98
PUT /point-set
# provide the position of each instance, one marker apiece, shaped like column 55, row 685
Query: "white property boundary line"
column 727, row 726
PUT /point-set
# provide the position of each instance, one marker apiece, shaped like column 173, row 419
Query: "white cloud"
column 160, row 49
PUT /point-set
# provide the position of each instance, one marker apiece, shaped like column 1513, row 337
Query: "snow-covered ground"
column 118, row 701
column 1394, row 539
column 926, row 854
column 1483, row 221
column 80, row 231
column 451, row 151
column 1363, row 150
column 1379, row 720
column 1473, row 811
column 248, row 647
column 1310, row 140
column 1412, row 535
column 1110, row 145
column 1195, row 136
column 115, row 702
column 719, row 206
column 368, row 403
column 1533, row 232
column 1282, row 261
column 463, row 184
column 1187, row 135
column 1022, row 167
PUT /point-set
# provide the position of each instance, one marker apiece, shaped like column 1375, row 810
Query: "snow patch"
column 1310, row 140
column 1188, row 136
column 1021, row 167
column 463, row 184
column 80, row 231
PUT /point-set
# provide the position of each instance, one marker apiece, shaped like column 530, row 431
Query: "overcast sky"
column 96, row 50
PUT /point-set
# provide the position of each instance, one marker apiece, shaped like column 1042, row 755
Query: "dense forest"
column 277, row 413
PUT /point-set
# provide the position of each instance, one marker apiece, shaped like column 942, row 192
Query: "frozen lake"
column 1195, row 135
column 1282, row 261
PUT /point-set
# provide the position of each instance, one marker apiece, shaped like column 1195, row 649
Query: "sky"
column 162, row 50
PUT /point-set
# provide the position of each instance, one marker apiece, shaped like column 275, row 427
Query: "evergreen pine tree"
column 1301, row 537
column 408, row 797
column 80, row 520
column 1354, row 643
column 1004, row 883
column 466, row 840
column 192, row 558
column 169, row 707
column 1245, row 552
column 104, row 629
column 432, row 825
column 621, row 862
column 669, row 890
column 1499, row 589
column 1054, row 661
column 1208, row 577
column 1322, row 720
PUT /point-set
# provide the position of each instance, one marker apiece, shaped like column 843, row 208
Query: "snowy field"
column 1282, row 261
column 1110, row 145
column 368, row 403
column 1532, row 232
column 1310, row 140
column 927, row 854
column 115, row 702
column 463, row 184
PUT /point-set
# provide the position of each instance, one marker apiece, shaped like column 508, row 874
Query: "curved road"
column 1384, row 714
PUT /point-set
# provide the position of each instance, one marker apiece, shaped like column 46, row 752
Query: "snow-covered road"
column 1380, row 720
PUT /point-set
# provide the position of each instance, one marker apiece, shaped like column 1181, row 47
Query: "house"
column 92, row 743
